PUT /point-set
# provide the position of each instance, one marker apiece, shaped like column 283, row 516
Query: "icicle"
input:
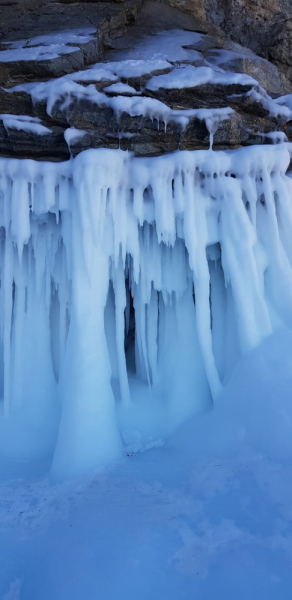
column 7, row 318
column 18, row 337
column 252, row 315
column 127, row 309
column 20, row 225
column 279, row 274
column 164, row 213
column 120, row 304
column 152, row 325
column 110, row 331
column 203, row 320
column 141, row 355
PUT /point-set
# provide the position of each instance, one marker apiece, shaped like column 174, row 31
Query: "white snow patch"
column 165, row 45
column 46, row 47
column 134, row 441
column 127, row 68
column 71, row 134
column 277, row 137
column 121, row 88
column 273, row 106
column 189, row 76
column 24, row 123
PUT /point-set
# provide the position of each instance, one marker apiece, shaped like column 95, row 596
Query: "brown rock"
column 109, row 19
column 20, row 144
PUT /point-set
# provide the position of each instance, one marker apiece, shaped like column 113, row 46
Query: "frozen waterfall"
column 121, row 273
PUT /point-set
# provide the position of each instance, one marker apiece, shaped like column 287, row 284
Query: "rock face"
column 264, row 26
column 40, row 18
column 84, row 75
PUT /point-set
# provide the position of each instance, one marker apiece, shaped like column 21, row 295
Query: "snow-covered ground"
column 206, row 515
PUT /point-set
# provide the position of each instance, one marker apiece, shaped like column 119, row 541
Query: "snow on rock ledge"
column 119, row 271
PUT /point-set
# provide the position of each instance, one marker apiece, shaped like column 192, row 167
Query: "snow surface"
column 121, row 88
column 221, row 57
column 46, row 47
column 277, row 137
column 206, row 515
column 165, row 45
column 285, row 101
column 72, row 134
column 128, row 68
column 189, row 76
column 24, row 123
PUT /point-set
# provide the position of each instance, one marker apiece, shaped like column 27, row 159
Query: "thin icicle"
column 7, row 318
column 152, row 325
column 120, row 307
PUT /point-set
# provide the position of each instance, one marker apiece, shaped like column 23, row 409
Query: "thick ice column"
column 196, row 235
column 278, row 276
column 187, row 389
column 20, row 225
column 141, row 353
column 238, row 239
column 203, row 319
column 110, row 331
column 224, row 328
column 88, row 433
column 282, row 195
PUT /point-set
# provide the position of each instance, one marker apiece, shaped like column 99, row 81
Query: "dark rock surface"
column 109, row 19
column 265, row 26
column 22, row 144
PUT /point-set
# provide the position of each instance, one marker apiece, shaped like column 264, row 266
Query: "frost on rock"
column 121, row 274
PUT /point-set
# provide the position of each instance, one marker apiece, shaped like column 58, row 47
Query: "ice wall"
column 117, row 269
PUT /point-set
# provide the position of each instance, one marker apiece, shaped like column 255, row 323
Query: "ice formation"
column 118, row 271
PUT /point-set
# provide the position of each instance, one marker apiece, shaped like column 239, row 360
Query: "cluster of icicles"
column 161, row 270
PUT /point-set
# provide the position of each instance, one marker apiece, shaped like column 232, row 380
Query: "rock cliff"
column 147, row 77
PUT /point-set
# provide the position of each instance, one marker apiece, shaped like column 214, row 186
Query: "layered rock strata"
column 113, row 79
